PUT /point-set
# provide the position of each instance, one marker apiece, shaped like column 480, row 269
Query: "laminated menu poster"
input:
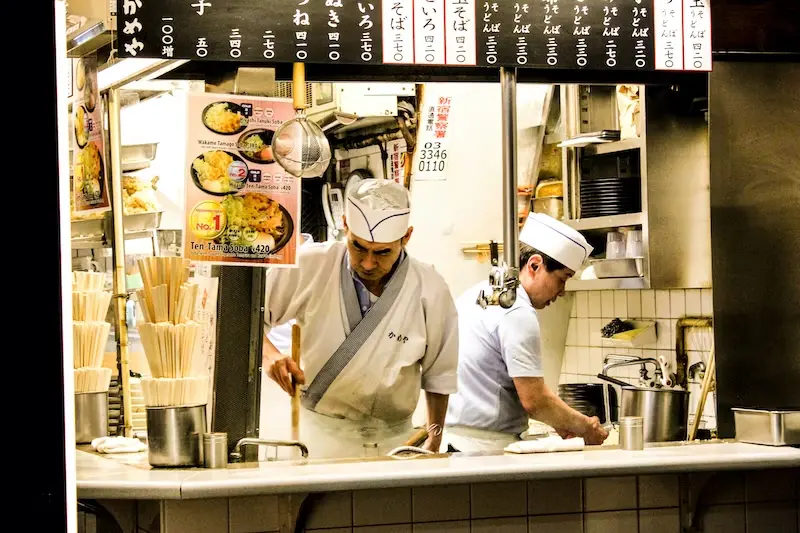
column 242, row 208
column 89, row 183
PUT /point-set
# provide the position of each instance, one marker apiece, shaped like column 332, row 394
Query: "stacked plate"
column 610, row 196
column 587, row 398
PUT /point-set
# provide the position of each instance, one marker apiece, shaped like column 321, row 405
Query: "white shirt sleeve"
column 440, row 362
column 288, row 290
column 520, row 343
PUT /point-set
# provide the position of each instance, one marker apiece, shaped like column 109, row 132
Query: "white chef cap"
column 378, row 210
column 556, row 240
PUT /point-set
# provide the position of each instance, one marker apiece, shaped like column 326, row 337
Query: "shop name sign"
column 623, row 35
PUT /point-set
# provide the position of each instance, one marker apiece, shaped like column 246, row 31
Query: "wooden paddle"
column 296, row 396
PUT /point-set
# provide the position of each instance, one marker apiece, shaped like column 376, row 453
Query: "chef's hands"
column 286, row 374
column 594, row 433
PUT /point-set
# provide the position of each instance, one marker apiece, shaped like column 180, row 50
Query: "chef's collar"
column 354, row 275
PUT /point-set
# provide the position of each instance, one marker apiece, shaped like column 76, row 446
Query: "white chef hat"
column 378, row 210
column 555, row 239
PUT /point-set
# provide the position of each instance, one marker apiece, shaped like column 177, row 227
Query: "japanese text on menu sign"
column 627, row 35
column 241, row 207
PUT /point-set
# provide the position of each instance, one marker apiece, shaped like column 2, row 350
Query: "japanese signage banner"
column 625, row 35
column 242, row 208
column 430, row 159
column 89, row 172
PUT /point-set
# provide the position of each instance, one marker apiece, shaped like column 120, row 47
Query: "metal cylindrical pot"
column 91, row 416
column 174, row 435
column 665, row 412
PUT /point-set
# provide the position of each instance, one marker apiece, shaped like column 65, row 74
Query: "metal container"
column 173, row 435
column 91, row 416
column 549, row 205
column 628, row 267
column 631, row 433
column 215, row 450
column 773, row 428
column 665, row 412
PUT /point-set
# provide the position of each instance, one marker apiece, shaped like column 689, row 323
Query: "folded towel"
column 118, row 445
column 547, row 444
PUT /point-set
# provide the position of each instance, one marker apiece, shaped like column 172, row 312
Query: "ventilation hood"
column 91, row 25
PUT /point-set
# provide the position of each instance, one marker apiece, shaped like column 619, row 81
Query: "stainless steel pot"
column 174, row 435
column 665, row 412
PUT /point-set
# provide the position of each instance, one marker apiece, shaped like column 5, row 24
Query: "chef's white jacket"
column 496, row 345
column 415, row 346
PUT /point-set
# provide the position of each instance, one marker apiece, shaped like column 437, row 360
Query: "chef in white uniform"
column 500, row 378
column 377, row 327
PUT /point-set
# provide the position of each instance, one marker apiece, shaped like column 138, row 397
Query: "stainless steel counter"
column 111, row 478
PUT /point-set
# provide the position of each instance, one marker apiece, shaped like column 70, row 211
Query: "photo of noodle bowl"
column 225, row 118
column 256, row 221
column 88, row 178
column 219, row 172
column 81, row 129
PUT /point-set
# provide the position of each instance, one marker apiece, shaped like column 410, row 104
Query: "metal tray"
column 772, row 428
column 629, row 267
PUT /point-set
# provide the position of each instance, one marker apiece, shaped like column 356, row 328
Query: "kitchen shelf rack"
column 614, row 221
column 607, row 284
column 613, row 147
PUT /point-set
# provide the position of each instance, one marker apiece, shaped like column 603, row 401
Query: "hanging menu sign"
column 241, row 207
column 627, row 35
column 90, row 192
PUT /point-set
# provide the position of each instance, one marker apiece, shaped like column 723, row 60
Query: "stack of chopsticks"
column 171, row 339
column 166, row 392
column 88, row 281
column 90, row 331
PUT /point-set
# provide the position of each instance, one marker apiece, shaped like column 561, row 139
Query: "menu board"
column 570, row 34
column 242, row 208
column 89, row 177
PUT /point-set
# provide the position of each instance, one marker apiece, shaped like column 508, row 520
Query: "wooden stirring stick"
column 296, row 396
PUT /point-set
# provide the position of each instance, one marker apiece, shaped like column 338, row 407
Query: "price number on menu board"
column 432, row 157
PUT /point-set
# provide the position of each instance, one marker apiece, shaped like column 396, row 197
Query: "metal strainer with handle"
column 299, row 145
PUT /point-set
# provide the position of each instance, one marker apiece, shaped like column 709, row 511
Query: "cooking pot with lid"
column 665, row 411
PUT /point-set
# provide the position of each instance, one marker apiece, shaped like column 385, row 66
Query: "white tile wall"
column 586, row 349
column 731, row 502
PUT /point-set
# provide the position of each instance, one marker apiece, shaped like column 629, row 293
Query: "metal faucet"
column 236, row 454
column 628, row 360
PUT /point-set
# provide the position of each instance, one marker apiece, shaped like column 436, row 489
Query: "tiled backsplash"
column 586, row 349
column 764, row 501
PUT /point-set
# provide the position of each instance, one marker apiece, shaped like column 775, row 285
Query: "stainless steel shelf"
column 615, row 221
column 606, row 284
column 613, row 147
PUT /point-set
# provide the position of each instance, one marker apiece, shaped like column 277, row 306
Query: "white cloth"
column 495, row 346
column 546, row 444
column 118, row 445
column 378, row 211
column 415, row 346
column 555, row 239
column 471, row 440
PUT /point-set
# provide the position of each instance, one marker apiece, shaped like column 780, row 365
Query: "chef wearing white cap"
column 500, row 378
column 377, row 327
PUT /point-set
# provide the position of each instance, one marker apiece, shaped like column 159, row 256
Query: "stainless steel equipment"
column 773, row 428
column 91, row 416
column 237, row 455
column 504, row 277
column 755, row 171
column 628, row 267
column 631, row 433
column 174, row 435
column 665, row 411
column 215, row 450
